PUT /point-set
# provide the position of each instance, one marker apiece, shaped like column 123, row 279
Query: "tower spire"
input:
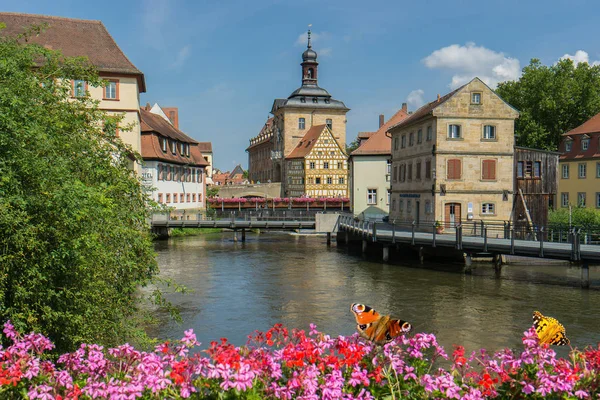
column 309, row 26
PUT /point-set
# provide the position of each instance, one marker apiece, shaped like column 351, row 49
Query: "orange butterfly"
column 376, row 327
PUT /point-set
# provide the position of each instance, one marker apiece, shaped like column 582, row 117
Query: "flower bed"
column 293, row 364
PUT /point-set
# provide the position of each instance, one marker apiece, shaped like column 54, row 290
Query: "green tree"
column 353, row 145
column 74, row 241
column 552, row 100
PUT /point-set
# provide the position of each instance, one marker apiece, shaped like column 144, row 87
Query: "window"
column 341, row 180
column 394, row 205
column 408, row 206
column 329, row 123
column 389, row 195
column 528, row 169
column 311, row 165
column 181, row 198
column 173, row 146
column 429, row 133
column 340, row 165
column 160, row 197
column 111, row 90
column 318, row 180
column 193, row 197
column 409, row 173
column 319, row 153
column 389, row 167
column 564, row 199
column 187, row 198
column 411, row 139
column 585, row 144
column 568, row 145
column 418, row 170
column 163, row 144
column 329, row 180
column 420, row 136
column 476, row 98
column 182, row 148
column 565, row 171
column 454, row 131
column 581, row 199
column 396, row 143
column 301, row 123
column 597, row 200
column 325, row 165
column 427, row 169
column 582, row 170
column 597, row 170
column 489, row 132
column 200, row 176
column 168, row 197
column 537, row 169
column 488, row 170
column 454, row 169
column 174, row 197
column 403, row 143
column 395, row 173
column 520, row 169
column 488, row 209
column 401, row 205
column 78, row 89
column 427, row 207
column 371, row 196
column 161, row 173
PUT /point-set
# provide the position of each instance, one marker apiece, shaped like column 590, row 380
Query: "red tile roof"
column 425, row 110
column 589, row 126
column 205, row 147
column 307, row 142
column 365, row 135
column 155, row 123
column 380, row 143
column 75, row 37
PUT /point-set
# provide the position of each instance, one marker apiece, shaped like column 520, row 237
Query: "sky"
column 223, row 62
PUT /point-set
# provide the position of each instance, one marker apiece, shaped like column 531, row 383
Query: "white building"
column 173, row 164
column 370, row 169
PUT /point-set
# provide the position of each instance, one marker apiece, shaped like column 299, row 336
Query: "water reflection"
column 296, row 280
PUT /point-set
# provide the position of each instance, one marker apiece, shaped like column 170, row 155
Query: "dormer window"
column 568, row 145
column 182, row 149
column 326, row 101
column 315, row 100
column 585, row 144
column 302, row 99
column 173, row 146
column 163, row 144
column 187, row 150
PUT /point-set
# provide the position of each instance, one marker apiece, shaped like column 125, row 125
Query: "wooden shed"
column 535, row 186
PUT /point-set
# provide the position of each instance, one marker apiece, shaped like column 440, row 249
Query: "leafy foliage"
column 353, row 145
column 581, row 217
column 212, row 191
column 552, row 100
column 74, row 240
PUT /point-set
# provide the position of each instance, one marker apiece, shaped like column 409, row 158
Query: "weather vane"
column 309, row 25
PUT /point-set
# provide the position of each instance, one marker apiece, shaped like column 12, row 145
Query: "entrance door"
column 418, row 210
column 452, row 214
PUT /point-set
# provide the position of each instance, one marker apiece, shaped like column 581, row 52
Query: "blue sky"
column 223, row 62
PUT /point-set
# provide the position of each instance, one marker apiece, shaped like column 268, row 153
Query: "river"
column 237, row 288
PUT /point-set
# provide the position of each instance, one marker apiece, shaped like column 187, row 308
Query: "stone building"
column 308, row 106
column 174, row 166
column 452, row 159
column 78, row 37
column 579, row 169
column 318, row 166
column 370, row 169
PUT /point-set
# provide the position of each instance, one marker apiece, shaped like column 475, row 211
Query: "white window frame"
column 473, row 98
column 429, row 136
column 110, row 90
column 564, row 199
column 568, row 145
column 401, row 205
column 488, row 209
column 329, row 123
column 585, row 144
column 565, row 171
column 582, row 171
column 454, row 131
column 301, row 123
column 489, row 132
column 581, row 199
column 371, row 196
column 329, row 180
column 326, row 165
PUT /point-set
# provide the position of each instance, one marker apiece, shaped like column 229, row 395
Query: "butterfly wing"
column 367, row 320
column 549, row 330
column 393, row 328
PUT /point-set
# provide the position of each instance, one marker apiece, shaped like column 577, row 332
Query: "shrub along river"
column 237, row 288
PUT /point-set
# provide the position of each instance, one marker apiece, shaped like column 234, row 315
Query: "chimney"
column 404, row 107
column 438, row 97
column 148, row 107
column 381, row 120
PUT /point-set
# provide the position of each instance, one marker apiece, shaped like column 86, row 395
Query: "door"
column 452, row 214
column 418, row 210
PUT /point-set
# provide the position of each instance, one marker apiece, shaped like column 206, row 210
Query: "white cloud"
column 415, row 99
column 470, row 60
column 182, row 56
column 579, row 57
column 325, row 52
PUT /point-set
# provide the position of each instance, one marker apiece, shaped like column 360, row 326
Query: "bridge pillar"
column 497, row 261
column 421, row 255
column 328, row 239
column 243, row 235
column 585, row 275
column 364, row 246
column 386, row 253
column 235, row 238
column 468, row 263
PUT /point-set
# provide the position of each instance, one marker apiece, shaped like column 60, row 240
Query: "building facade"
column 370, row 170
column 260, row 152
column 124, row 82
column 174, row 167
column 452, row 159
column 579, row 169
column 308, row 106
column 318, row 166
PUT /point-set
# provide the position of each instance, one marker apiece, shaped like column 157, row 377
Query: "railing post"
column 542, row 242
column 474, row 228
column 434, row 233
column 374, row 231
column 485, row 237
column 512, row 240
column 393, row 232
column 413, row 234
column 458, row 243
column 482, row 225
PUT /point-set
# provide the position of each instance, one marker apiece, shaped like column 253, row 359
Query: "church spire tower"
column 309, row 65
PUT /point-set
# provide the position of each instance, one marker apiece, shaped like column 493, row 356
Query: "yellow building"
column 318, row 166
column 452, row 159
column 579, row 165
column 308, row 106
column 76, row 38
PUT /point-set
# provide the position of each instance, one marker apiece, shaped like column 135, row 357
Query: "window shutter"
column 454, row 169
column 489, row 169
column 450, row 169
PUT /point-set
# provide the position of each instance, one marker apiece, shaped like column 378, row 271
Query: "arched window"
column 311, row 73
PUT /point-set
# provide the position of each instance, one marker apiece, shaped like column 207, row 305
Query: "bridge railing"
column 235, row 216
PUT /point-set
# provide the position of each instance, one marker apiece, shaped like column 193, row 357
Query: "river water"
column 237, row 288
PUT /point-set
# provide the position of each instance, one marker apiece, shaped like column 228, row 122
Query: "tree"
column 75, row 244
column 212, row 191
column 552, row 100
column 350, row 147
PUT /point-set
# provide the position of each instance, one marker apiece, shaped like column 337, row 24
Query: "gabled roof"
column 379, row 142
column 426, row 109
column 155, row 123
column 307, row 143
column 74, row 38
column 205, row 147
column 151, row 150
column 592, row 125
